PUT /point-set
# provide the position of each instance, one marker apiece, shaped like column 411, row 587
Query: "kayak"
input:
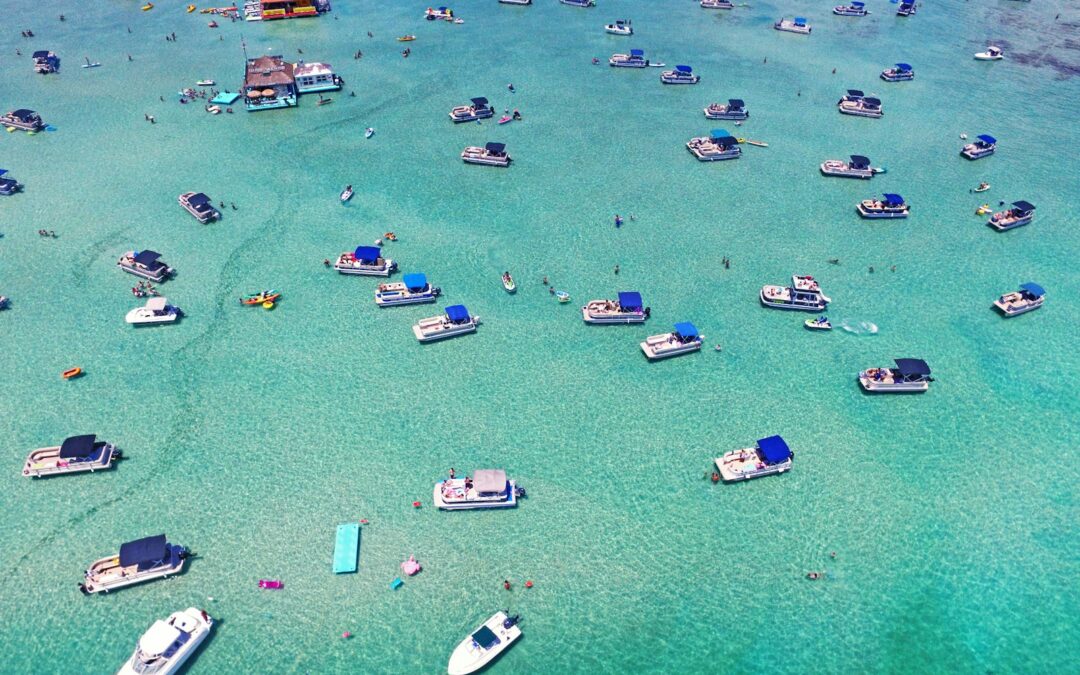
column 406, row 38
column 760, row 144
column 260, row 297
column 508, row 283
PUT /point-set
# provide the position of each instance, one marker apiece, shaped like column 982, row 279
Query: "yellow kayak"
column 190, row 9
column 147, row 7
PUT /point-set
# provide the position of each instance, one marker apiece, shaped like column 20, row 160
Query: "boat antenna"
column 243, row 45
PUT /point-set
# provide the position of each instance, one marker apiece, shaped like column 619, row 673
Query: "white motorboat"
column 205, row 83
column 579, row 3
column 734, row 109
column 1029, row 297
column 991, row 54
column 411, row 290
column 627, row 309
column 905, row 8
column 346, row 194
column 22, row 119
column 369, row 132
column 515, row 2
column 890, row 205
column 365, row 261
column 168, row 644
column 820, row 323
column 984, row 145
column 456, row 321
column 898, row 73
column 138, row 561
column 76, row 454
column 1019, row 215
column 717, row 4
column 200, row 206
column 804, row 294
column 156, row 311
column 851, row 9
column 480, row 109
column 909, row 375
column 486, row 489
column 620, row 27
column 635, row 59
column 146, row 264
column 683, row 340
column 796, row 25
column 492, row 154
column 860, row 106
column 485, row 643
column 681, row 75
column 718, row 145
column 771, row 456
column 857, row 167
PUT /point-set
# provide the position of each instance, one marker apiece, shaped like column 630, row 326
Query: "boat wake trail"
column 859, row 327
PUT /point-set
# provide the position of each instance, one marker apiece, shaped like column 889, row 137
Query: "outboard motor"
column 511, row 621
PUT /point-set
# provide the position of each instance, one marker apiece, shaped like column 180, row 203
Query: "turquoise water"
column 251, row 434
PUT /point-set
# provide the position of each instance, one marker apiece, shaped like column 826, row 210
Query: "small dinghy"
column 562, row 296
column 205, row 83
column 820, row 323
column 369, row 132
column 346, row 194
column 508, row 282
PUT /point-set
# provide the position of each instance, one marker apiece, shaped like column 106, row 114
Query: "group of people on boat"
column 143, row 289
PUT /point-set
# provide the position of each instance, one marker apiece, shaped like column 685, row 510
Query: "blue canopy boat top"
column 800, row 21
column 871, row 102
column 479, row 102
column 685, row 70
column 1033, row 289
column 892, row 199
column 723, row 137
column 987, row 139
column 149, row 259
column 912, row 367
column 457, row 314
column 904, row 67
column 145, row 553
column 630, row 301
column 1024, row 208
column 859, row 162
column 734, row 104
column 415, row 282
column 79, row 447
column 686, row 331
column 855, row 93
column 637, row 53
column 485, row 638
column 860, row 5
column 773, row 450
column 495, row 148
column 367, row 254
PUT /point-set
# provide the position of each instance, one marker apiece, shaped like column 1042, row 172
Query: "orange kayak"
column 71, row 372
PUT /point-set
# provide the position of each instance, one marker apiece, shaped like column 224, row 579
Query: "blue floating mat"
column 49, row 127
column 396, row 583
column 347, row 548
column 225, row 98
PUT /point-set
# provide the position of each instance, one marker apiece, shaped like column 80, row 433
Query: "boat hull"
column 442, row 504
column 415, row 299
column 427, row 335
column 616, row 318
column 730, row 474
column 782, row 304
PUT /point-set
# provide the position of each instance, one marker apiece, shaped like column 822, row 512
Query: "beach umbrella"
column 268, row 92
column 253, row 94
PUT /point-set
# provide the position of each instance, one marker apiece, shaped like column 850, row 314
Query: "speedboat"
column 820, row 323
column 854, row 103
column 734, row 109
column 852, row 9
column 156, row 311
column 620, row 27
column 8, row 186
column 991, row 54
column 804, row 294
column 890, row 205
column 1029, row 297
column 205, row 83
column 1019, row 215
column 905, row 8
column 140, row 560
column 365, row 261
column 486, row 489
column 983, row 146
column 369, row 132
column 508, row 283
column 681, row 75
column 488, row 640
column 145, row 264
column 269, row 295
column 346, row 194
column 74, row 455
column 578, row 3
column 456, row 321
column 909, row 375
column 770, row 456
column 796, row 25
column 683, row 340
column 627, row 309
column 167, row 645
column 480, row 109
column 716, row 4
column 898, row 73
column 718, row 145
column 26, row 120
column 200, row 206
column 492, row 154
column 857, row 167
column 442, row 13
column 412, row 289
column 635, row 59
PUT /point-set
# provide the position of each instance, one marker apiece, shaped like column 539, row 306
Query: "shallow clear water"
column 251, row 434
